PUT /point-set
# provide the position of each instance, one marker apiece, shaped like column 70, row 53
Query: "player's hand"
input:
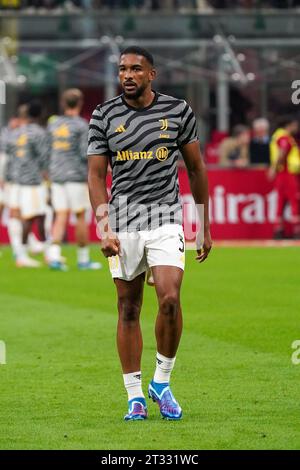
column 110, row 245
column 205, row 249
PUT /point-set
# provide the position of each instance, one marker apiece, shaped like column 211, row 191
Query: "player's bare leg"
column 40, row 221
column 130, row 343
column 53, row 255
column 81, row 230
column 129, row 335
column 168, row 329
column 59, row 226
column 27, row 226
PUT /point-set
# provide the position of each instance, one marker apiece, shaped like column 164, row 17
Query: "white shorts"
column 12, row 195
column 70, row 196
column 32, row 200
column 140, row 251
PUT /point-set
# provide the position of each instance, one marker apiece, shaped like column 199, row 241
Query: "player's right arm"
column 98, row 151
column 97, row 171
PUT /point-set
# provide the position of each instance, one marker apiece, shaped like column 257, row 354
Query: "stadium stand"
column 178, row 5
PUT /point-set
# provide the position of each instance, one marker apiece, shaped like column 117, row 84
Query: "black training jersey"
column 143, row 147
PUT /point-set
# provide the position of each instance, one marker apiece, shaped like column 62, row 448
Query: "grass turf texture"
column 62, row 387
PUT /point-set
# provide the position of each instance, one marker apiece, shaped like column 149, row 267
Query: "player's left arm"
column 199, row 186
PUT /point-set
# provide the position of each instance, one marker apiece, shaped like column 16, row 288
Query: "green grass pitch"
column 62, row 386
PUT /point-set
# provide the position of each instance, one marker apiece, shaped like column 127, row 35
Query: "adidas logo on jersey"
column 120, row 129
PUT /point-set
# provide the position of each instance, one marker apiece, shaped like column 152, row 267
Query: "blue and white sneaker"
column 137, row 409
column 58, row 266
column 89, row 266
column 162, row 395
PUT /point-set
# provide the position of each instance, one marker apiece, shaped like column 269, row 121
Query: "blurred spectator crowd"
column 197, row 5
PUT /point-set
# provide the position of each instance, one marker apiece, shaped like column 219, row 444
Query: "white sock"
column 32, row 239
column 54, row 253
column 133, row 384
column 14, row 227
column 83, row 254
column 164, row 367
column 35, row 245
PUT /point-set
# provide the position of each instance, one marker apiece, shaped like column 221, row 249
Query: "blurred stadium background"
column 234, row 61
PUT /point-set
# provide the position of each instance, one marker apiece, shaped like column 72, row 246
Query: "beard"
column 135, row 94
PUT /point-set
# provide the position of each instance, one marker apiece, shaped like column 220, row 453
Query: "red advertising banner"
column 242, row 203
column 242, row 206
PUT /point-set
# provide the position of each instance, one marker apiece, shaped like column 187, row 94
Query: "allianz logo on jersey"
column 160, row 154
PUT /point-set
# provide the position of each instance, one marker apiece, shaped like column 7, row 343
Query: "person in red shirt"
column 285, row 168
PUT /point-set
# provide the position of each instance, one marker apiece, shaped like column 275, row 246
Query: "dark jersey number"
column 181, row 248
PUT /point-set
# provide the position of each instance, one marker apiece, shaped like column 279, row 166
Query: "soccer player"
column 29, row 148
column 140, row 134
column 285, row 168
column 68, row 174
column 11, row 189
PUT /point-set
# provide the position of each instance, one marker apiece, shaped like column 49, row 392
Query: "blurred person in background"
column 234, row 150
column 260, row 142
column 11, row 187
column 211, row 152
column 285, row 171
column 68, row 134
column 6, row 178
column 29, row 149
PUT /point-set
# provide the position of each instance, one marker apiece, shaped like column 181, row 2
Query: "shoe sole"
column 167, row 418
column 136, row 418
column 56, row 268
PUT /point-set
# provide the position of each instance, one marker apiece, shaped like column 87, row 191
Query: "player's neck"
column 142, row 101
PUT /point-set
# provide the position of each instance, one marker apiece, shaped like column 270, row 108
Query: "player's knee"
column 129, row 311
column 169, row 304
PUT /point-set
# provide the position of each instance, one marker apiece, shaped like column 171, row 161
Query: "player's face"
column 135, row 75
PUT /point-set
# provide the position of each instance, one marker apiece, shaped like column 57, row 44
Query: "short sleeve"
column 97, row 140
column 188, row 127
